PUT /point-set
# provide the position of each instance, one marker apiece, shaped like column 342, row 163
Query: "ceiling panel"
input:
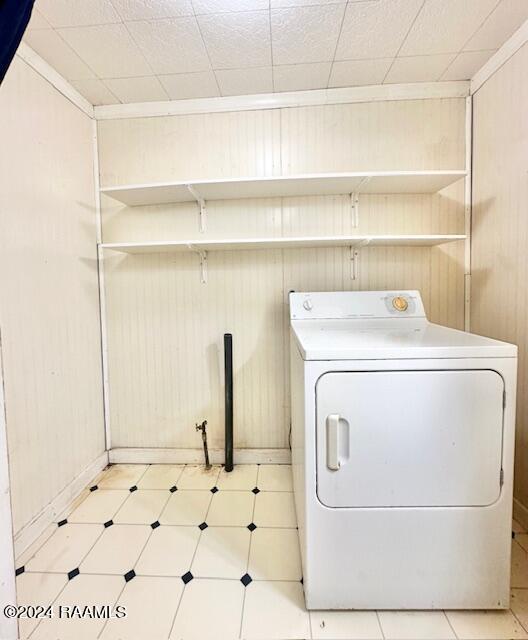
column 182, row 49
column 466, row 64
column 301, row 77
column 235, row 40
column 444, row 26
column 353, row 73
column 183, row 86
column 375, row 29
column 107, row 49
column 419, row 68
column 305, row 34
column 152, row 9
column 49, row 44
column 95, row 91
column 145, row 89
column 171, row 46
column 75, row 13
column 234, row 82
column 499, row 26
column 220, row 6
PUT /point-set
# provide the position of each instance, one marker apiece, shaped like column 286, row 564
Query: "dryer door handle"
column 332, row 441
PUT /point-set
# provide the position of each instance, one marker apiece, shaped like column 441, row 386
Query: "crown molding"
column 373, row 93
column 500, row 57
column 37, row 63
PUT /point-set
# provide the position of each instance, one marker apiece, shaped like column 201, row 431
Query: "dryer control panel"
column 356, row 304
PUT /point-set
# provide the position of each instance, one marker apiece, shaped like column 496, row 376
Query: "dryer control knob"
column 307, row 304
column 400, row 303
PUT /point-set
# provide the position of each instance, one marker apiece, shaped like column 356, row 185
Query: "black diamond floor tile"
column 246, row 579
column 187, row 577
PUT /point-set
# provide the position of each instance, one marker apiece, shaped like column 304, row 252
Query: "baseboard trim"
column 195, row 456
column 520, row 513
column 31, row 531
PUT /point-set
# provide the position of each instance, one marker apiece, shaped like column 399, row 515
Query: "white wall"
column 499, row 302
column 48, row 291
column 165, row 328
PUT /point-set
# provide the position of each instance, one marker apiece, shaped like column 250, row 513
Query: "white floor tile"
column 186, row 507
column 275, row 555
column 81, row 591
column 37, row 589
column 275, row 509
column 99, row 506
column 209, row 609
column 151, row 604
column 485, row 625
column 117, row 550
column 275, row 477
column 231, row 509
column 415, row 625
column 345, row 625
column 275, row 610
column 66, row 548
column 169, row 551
column 161, row 476
column 197, row 477
column 519, row 566
column 121, row 476
column 222, row 553
column 242, row 478
column 519, row 605
column 142, row 507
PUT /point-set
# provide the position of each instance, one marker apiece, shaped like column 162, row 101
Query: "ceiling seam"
column 206, row 50
column 403, row 42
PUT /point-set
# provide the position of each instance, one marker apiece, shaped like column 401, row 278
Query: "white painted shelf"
column 300, row 185
column 281, row 243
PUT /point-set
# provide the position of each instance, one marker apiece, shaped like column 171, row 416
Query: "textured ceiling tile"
column 77, row 13
column 501, row 24
column 220, row 6
column 183, row 86
column 466, row 64
column 353, row 73
column 37, row 21
column 419, row 68
column 152, row 9
column 236, row 40
column 108, row 50
column 444, row 26
column 301, row 77
column 48, row 44
column 375, row 29
column 171, row 46
column 305, row 34
column 95, row 92
column 128, row 90
column 235, row 82
column 281, row 4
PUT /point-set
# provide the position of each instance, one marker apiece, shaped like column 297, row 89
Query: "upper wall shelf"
column 283, row 186
column 282, row 243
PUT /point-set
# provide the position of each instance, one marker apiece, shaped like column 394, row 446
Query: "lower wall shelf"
column 242, row 244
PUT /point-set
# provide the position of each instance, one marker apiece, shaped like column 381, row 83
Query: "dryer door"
column 409, row 438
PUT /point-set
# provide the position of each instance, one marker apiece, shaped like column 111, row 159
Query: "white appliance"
column 402, row 451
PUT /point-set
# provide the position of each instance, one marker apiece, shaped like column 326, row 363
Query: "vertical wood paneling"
column 48, row 289
column 499, row 302
column 165, row 328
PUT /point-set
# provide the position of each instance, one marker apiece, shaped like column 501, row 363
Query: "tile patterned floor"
column 195, row 554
